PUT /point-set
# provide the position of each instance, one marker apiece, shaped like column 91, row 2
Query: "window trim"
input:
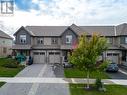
column 69, row 37
column 22, row 39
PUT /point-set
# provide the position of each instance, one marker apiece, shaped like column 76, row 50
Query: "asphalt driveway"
column 37, row 70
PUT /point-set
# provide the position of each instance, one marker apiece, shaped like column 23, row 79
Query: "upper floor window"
column 126, row 40
column 54, row 40
column 68, row 39
column 23, row 39
column 40, row 41
column 109, row 40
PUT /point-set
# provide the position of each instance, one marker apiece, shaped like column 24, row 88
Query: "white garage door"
column 114, row 57
column 54, row 57
column 39, row 57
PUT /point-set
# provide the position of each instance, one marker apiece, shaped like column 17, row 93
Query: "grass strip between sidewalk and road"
column 79, row 89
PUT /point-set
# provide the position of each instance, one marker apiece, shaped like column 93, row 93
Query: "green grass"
column 2, row 83
column 78, row 89
column 76, row 73
column 6, row 71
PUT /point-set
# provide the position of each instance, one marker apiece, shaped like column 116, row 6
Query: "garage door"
column 114, row 57
column 39, row 57
column 54, row 57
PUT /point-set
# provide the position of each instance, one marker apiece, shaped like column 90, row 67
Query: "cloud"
column 65, row 12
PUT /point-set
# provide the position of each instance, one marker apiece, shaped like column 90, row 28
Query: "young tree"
column 87, row 53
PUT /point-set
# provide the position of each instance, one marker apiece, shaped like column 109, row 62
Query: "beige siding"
column 5, row 46
column 47, row 41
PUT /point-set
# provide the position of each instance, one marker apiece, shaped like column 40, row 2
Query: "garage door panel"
column 39, row 57
column 114, row 57
column 54, row 57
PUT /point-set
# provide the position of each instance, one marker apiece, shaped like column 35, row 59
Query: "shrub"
column 10, row 63
column 98, row 83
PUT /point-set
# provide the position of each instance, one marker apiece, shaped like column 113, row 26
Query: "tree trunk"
column 88, row 85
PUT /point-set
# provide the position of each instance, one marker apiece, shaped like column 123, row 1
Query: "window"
column 68, row 39
column 22, row 39
column 109, row 40
column 40, row 41
column 4, row 50
column 54, row 41
column 126, row 40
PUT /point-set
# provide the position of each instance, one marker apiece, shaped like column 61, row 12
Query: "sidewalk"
column 61, row 80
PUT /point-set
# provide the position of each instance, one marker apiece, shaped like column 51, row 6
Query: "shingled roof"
column 46, row 30
column 121, row 29
column 4, row 35
column 102, row 30
column 58, row 30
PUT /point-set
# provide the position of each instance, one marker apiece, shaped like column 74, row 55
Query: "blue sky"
column 65, row 12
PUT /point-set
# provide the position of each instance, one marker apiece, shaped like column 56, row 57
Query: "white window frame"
column 22, row 38
column 68, row 39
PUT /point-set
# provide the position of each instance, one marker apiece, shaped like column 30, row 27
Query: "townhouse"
column 51, row 44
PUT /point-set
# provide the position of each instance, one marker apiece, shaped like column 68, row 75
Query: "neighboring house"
column 51, row 44
column 5, row 44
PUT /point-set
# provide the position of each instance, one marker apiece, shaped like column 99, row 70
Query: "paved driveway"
column 37, row 70
column 121, row 74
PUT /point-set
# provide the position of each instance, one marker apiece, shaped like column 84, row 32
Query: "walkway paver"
column 34, row 88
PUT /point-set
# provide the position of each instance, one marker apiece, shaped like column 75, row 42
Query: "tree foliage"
column 88, row 51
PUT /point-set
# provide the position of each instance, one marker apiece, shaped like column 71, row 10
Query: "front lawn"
column 5, row 70
column 8, row 68
column 78, row 89
column 76, row 73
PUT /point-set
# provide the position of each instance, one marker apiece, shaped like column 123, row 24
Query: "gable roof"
column 4, row 35
column 22, row 27
column 121, row 29
column 46, row 30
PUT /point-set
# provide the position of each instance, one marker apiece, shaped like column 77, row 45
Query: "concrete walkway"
column 34, row 88
column 61, row 80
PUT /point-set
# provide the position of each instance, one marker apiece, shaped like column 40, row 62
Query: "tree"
column 87, row 53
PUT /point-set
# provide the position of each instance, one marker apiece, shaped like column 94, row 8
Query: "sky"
column 64, row 12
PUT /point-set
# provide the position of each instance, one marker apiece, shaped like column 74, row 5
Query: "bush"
column 10, row 63
column 98, row 83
